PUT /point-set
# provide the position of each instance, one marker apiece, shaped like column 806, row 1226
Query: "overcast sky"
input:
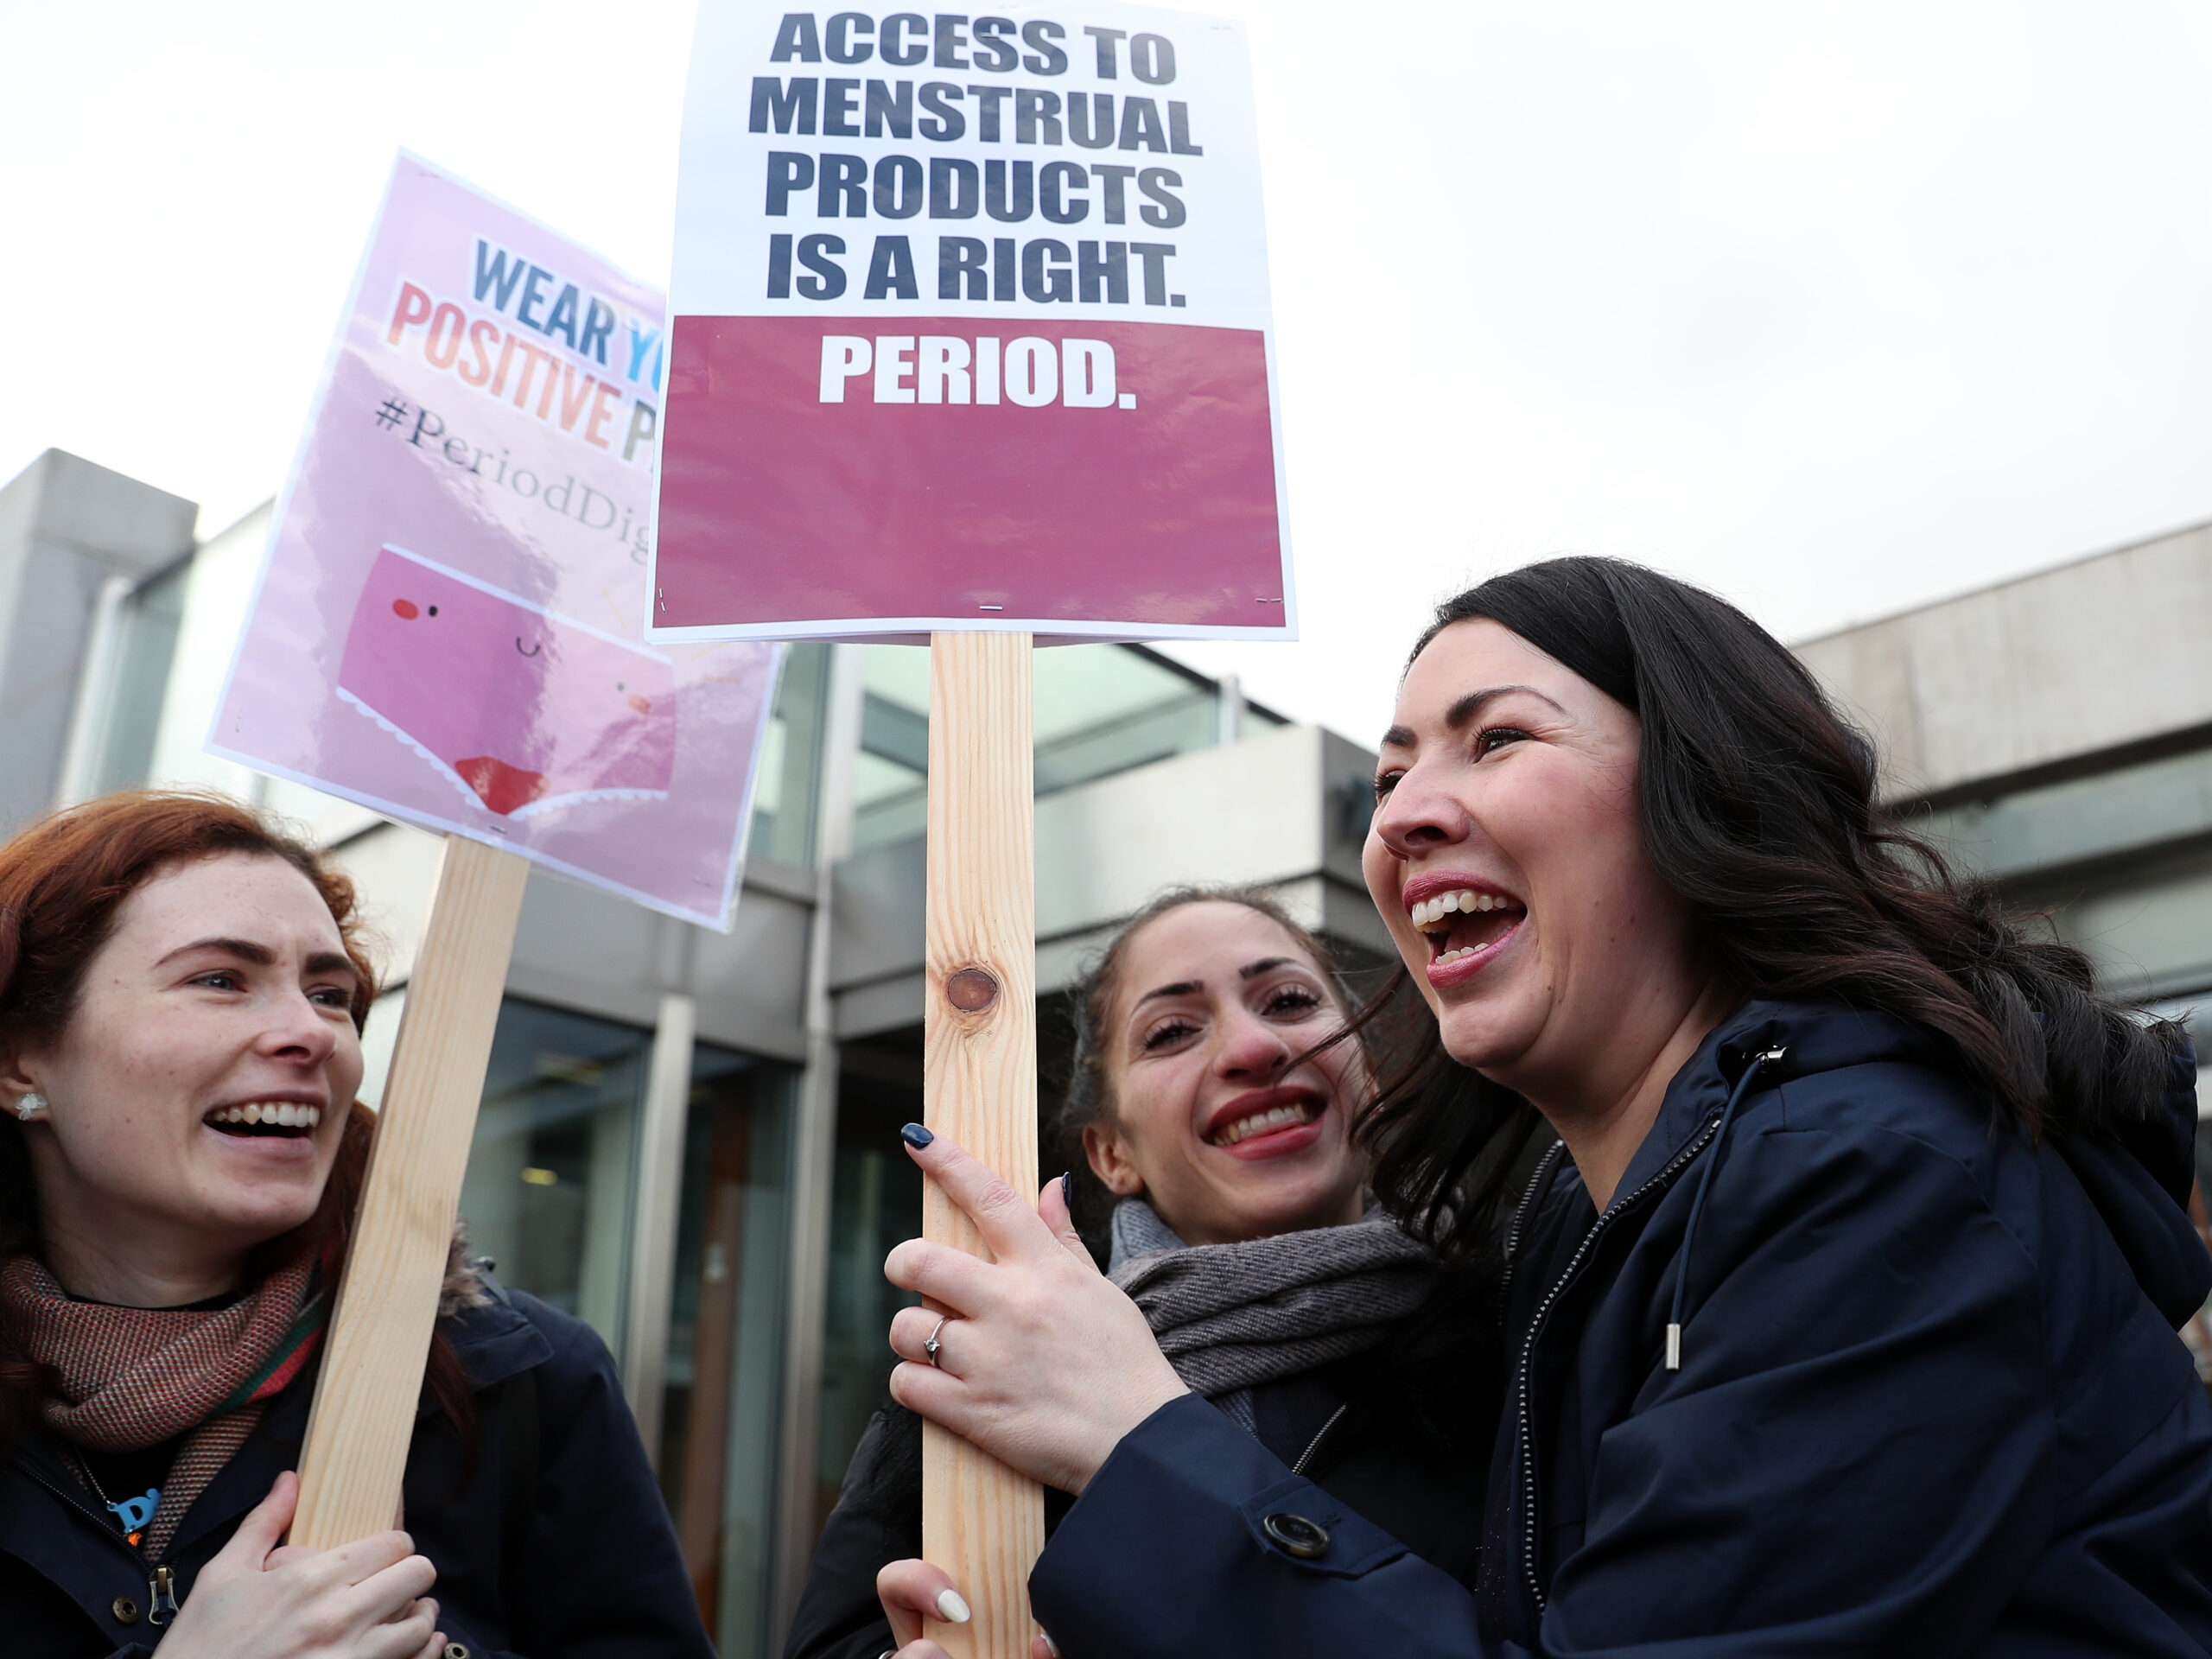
column 1835, row 309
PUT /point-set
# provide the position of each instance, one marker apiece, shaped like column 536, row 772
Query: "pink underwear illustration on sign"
column 520, row 709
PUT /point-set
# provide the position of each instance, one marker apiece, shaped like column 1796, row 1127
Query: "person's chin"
column 264, row 1209
column 1482, row 1036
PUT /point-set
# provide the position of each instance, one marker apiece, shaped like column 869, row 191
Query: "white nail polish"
column 950, row 1608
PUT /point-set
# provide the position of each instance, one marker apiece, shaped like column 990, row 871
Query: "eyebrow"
column 1465, row 710
column 1189, row 987
column 323, row 962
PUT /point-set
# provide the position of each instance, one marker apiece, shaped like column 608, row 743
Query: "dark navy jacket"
column 1930, row 1402
column 1328, row 1424
column 597, row 1573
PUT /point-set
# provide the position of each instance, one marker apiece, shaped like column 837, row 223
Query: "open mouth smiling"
column 1463, row 923
column 257, row 1119
column 1269, row 1111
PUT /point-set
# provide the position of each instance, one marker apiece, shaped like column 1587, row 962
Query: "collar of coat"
column 493, row 1338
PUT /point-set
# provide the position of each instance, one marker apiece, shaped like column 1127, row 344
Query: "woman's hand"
column 1041, row 1361
column 913, row 1591
column 254, row 1600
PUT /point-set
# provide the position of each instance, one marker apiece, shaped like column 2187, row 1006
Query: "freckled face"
column 222, row 995
column 1208, row 1120
column 1506, row 858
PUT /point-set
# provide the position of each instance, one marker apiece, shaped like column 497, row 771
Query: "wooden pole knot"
column 971, row 990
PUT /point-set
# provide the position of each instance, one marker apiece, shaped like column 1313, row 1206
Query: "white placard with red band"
column 970, row 330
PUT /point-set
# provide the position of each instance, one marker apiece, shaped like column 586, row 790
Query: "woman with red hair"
column 182, row 990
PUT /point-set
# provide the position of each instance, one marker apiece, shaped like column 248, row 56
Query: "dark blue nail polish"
column 1067, row 1188
column 915, row 1135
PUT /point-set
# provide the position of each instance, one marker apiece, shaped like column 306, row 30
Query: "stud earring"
column 30, row 1104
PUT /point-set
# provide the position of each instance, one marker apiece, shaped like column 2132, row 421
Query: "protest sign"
column 970, row 340
column 971, row 331
column 448, row 626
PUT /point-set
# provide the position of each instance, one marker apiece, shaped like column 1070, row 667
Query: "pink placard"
column 448, row 626
column 1161, row 512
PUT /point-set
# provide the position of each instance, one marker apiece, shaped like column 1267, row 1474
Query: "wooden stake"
column 981, row 1522
column 380, row 1336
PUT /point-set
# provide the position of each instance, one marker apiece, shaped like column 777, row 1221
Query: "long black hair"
column 1757, row 802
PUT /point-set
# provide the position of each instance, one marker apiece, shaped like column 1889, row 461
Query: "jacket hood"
column 2139, row 1181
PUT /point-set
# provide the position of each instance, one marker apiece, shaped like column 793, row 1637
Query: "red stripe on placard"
column 778, row 506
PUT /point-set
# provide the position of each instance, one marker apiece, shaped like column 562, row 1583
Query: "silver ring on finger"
column 932, row 1346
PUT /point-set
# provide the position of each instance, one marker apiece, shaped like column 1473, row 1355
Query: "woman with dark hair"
column 182, row 990
column 1209, row 1117
column 1842, row 1321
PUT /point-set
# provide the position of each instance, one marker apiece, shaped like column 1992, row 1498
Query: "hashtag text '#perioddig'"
column 425, row 430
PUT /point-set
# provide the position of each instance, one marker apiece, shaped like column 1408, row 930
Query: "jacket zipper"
column 1512, row 1245
column 160, row 1581
column 105, row 1523
column 1306, row 1458
column 1525, row 1429
column 1536, row 1183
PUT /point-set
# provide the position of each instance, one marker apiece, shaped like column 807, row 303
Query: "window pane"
column 1100, row 709
column 218, row 589
column 875, row 1201
column 548, row 1191
column 1079, row 687
column 377, row 1040
column 145, row 646
column 785, row 795
column 890, row 777
column 723, row 1405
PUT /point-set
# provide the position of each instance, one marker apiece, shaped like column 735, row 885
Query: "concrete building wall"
column 2100, row 659
column 68, row 529
column 2054, row 733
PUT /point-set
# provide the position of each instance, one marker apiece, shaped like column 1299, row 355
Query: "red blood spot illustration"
column 501, row 787
column 404, row 608
column 640, row 704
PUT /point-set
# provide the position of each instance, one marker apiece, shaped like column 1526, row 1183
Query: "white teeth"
column 1275, row 1117
column 283, row 1115
column 1429, row 912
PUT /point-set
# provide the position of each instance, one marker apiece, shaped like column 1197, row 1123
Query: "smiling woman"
column 181, row 993
column 1215, row 1116
column 1841, row 1318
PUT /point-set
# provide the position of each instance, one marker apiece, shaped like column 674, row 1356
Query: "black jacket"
column 553, row 1542
column 1402, row 1433
column 1929, row 1402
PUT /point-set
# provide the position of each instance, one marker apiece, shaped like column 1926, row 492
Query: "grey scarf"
column 1230, row 1317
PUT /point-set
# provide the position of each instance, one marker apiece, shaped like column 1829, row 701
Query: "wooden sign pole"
column 982, row 1522
column 379, row 1335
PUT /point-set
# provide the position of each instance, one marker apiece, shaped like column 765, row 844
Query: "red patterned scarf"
column 131, row 1377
